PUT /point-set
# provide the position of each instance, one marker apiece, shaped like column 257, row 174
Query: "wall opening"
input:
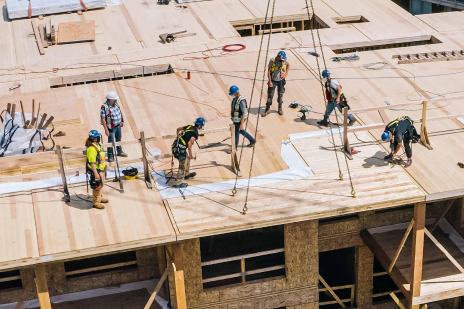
column 339, row 218
column 384, row 44
column 10, row 280
column 284, row 24
column 383, row 285
column 100, row 264
column 392, row 209
column 242, row 257
column 350, row 19
column 338, row 269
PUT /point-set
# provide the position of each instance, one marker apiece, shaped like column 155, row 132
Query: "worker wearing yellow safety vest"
column 182, row 150
column 239, row 114
column 95, row 167
column 400, row 132
column 277, row 73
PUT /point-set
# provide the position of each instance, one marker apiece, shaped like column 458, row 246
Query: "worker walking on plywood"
column 95, row 167
column 277, row 73
column 182, row 150
column 239, row 114
column 113, row 121
column 335, row 99
column 399, row 132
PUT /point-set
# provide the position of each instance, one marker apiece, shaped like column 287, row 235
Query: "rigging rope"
column 353, row 192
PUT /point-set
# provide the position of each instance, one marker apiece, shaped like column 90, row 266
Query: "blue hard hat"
column 325, row 73
column 386, row 136
column 282, row 55
column 200, row 121
column 94, row 134
column 233, row 90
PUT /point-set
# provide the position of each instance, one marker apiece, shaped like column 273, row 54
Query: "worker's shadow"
column 309, row 121
column 80, row 201
column 256, row 110
column 376, row 160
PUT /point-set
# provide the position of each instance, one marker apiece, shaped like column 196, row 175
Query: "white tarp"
column 15, row 140
column 20, row 8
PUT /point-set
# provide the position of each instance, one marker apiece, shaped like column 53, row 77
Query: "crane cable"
column 353, row 192
column 234, row 191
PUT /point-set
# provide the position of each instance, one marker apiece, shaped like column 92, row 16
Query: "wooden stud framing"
column 146, row 172
column 397, row 301
column 423, row 135
column 346, row 143
column 448, row 255
column 179, row 281
column 417, row 251
column 158, row 287
column 438, row 219
column 331, row 292
column 42, row 287
column 400, row 247
column 242, row 268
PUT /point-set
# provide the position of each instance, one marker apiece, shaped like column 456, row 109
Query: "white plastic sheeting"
column 20, row 8
column 15, row 140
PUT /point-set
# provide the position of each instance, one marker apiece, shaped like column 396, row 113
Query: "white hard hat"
column 112, row 95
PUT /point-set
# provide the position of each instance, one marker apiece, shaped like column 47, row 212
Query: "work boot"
column 323, row 123
column 408, row 163
column 122, row 154
column 389, row 157
column 352, row 121
column 104, row 200
column 251, row 144
column 99, row 206
column 180, row 186
column 280, row 111
column 267, row 111
column 191, row 175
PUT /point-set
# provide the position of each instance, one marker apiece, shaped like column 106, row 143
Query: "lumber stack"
column 37, row 121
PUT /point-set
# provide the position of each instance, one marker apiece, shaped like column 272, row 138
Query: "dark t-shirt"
column 187, row 136
column 398, row 130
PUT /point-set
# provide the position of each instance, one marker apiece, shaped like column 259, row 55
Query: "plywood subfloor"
column 76, row 32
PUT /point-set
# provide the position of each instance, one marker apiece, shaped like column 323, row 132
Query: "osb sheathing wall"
column 147, row 268
column 298, row 290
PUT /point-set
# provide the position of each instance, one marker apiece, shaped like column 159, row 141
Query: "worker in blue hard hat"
column 277, row 73
column 239, row 114
column 182, row 150
column 95, row 168
column 400, row 132
column 335, row 99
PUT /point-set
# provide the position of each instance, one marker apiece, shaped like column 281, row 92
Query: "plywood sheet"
column 76, row 32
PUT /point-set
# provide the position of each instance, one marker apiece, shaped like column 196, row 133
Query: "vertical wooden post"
column 346, row 143
column 424, row 137
column 242, row 266
column 42, row 287
column 417, row 252
column 63, row 174
column 146, row 172
column 179, row 276
column 233, row 153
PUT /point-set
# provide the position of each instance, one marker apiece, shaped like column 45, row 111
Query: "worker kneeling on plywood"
column 399, row 132
column 95, row 167
column 182, row 150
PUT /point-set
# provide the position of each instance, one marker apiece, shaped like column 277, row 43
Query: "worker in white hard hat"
column 112, row 121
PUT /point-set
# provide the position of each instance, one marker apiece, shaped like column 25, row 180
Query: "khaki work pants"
column 97, row 196
column 184, row 169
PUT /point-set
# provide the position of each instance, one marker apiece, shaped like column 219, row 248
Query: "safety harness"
column 179, row 147
column 282, row 68
column 109, row 119
column 396, row 121
column 412, row 130
column 98, row 160
column 332, row 94
column 237, row 113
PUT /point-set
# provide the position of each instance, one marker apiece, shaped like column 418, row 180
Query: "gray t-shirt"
column 276, row 75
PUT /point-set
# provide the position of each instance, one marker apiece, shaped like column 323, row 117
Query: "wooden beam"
column 63, row 173
column 275, row 30
column 400, row 247
column 158, row 287
column 417, row 251
column 424, row 137
column 448, row 255
column 331, row 291
column 397, row 301
column 146, row 171
column 23, row 112
column 35, row 28
column 47, row 123
column 42, row 287
column 438, row 219
column 233, row 153
column 346, row 143
column 179, row 280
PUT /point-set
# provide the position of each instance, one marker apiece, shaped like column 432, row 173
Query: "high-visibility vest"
column 236, row 112
column 100, row 159
column 106, row 107
column 282, row 68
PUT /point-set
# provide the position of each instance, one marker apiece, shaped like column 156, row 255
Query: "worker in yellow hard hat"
column 95, row 167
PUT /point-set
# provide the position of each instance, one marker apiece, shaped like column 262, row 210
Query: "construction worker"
column 239, row 114
column 112, row 121
column 399, row 132
column 95, row 168
column 186, row 137
column 335, row 99
column 277, row 73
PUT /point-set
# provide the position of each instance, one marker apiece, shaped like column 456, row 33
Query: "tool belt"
column 343, row 101
column 95, row 184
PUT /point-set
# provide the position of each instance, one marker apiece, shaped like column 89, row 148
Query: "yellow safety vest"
column 283, row 68
column 236, row 114
column 99, row 159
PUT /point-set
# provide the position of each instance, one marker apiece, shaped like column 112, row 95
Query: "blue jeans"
column 116, row 133
column 243, row 132
column 330, row 108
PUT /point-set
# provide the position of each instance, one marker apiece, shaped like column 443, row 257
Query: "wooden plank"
column 244, row 256
column 76, row 32
column 37, row 37
column 37, row 117
column 91, row 269
column 44, row 116
column 158, row 287
column 331, row 291
column 47, row 123
column 179, row 280
column 13, row 111
column 448, row 255
column 417, row 249
column 400, row 247
column 131, row 23
column 277, row 30
column 42, row 36
column 42, row 287
column 438, row 219
column 23, row 112
column 397, row 301
column 244, row 273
